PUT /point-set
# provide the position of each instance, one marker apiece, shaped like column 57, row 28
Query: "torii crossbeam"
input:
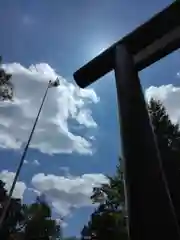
column 151, row 213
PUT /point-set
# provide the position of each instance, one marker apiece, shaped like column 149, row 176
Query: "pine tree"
column 168, row 141
column 14, row 219
column 39, row 222
column 107, row 221
column 27, row 222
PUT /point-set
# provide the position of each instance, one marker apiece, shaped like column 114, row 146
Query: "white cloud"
column 169, row 95
column 84, row 117
column 92, row 138
column 64, row 103
column 8, row 141
column 8, row 178
column 67, row 193
column 36, row 162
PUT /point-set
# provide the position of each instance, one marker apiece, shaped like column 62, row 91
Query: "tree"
column 39, row 223
column 107, row 221
column 6, row 87
column 27, row 222
column 168, row 141
column 105, row 224
column 14, row 219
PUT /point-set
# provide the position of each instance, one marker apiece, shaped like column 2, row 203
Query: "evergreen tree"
column 14, row 219
column 27, row 222
column 168, row 141
column 107, row 221
column 39, row 222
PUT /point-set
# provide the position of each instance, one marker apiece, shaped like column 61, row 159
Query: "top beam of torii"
column 148, row 43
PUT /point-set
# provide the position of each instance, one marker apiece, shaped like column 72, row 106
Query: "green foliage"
column 39, row 224
column 111, row 194
column 107, row 221
column 168, row 141
column 14, row 218
column 6, row 87
column 105, row 224
column 27, row 222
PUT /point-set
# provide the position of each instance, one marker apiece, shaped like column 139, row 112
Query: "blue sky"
column 77, row 139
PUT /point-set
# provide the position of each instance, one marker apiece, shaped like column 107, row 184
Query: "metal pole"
column 2, row 217
column 150, row 211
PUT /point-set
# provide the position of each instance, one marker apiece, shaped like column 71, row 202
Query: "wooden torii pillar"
column 151, row 214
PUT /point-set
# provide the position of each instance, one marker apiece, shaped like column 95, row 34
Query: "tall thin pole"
column 151, row 213
column 4, row 212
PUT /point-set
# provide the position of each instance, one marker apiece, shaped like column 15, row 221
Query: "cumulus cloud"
column 66, row 193
column 8, row 177
column 85, row 117
column 169, row 95
column 64, row 103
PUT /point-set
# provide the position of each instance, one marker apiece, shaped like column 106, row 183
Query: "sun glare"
column 98, row 48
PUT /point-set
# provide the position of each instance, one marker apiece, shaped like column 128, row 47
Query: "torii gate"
column 151, row 215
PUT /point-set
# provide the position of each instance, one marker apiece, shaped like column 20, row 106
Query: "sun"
column 97, row 48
